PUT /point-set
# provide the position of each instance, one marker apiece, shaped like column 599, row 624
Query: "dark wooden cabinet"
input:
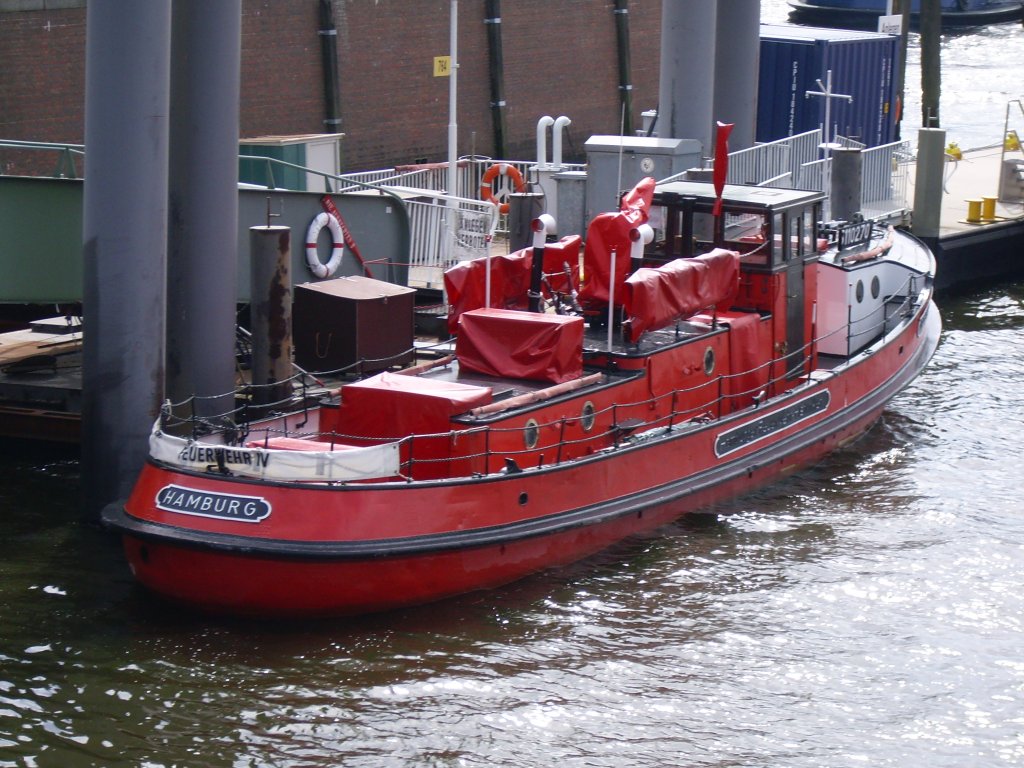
column 352, row 322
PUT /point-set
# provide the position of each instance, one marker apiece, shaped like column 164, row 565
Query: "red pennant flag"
column 721, row 163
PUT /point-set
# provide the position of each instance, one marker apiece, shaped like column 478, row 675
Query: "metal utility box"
column 640, row 156
column 863, row 64
column 352, row 320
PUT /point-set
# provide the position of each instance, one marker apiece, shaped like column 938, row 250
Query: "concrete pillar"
column 686, row 88
column 124, row 239
column 737, row 62
column 202, row 279
column 931, row 162
column 270, row 312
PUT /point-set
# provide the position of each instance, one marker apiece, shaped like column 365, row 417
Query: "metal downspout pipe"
column 329, row 57
column 496, row 68
column 621, row 12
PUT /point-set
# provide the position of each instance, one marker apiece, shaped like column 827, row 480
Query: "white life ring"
column 317, row 267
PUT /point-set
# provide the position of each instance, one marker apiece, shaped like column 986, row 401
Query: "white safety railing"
column 435, row 244
column 437, row 241
column 885, row 179
column 768, row 164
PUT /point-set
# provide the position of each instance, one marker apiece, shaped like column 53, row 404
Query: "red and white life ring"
column 496, row 170
column 317, row 267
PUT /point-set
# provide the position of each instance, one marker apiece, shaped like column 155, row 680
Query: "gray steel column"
column 931, row 164
column 686, row 89
column 737, row 62
column 203, row 238
column 124, row 239
column 270, row 312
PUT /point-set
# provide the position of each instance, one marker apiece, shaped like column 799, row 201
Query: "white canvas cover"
column 352, row 463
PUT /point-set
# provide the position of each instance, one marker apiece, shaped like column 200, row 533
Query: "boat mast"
column 827, row 145
column 453, row 128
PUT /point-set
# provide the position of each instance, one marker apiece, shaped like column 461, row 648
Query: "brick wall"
column 42, row 82
column 560, row 59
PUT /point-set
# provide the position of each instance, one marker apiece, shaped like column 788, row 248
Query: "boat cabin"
column 775, row 232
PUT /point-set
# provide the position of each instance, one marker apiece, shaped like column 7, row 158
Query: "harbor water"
column 868, row 611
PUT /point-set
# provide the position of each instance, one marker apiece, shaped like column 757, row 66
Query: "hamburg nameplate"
column 222, row 506
column 771, row 423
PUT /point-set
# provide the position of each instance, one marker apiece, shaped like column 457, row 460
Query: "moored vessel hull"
column 739, row 342
column 346, row 550
column 865, row 13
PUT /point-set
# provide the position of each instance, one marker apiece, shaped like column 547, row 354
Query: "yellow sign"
column 442, row 66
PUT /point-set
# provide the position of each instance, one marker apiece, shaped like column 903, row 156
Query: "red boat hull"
column 354, row 548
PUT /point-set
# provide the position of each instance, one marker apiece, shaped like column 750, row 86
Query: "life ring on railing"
column 317, row 267
column 496, row 170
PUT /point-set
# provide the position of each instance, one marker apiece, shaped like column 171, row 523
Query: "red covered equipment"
column 393, row 405
column 655, row 298
column 466, row 288
column 521, row 345
column 610, row 231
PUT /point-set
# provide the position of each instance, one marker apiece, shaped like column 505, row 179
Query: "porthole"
column 709, row 361
column 860, row 291
column 531, row 434
column 876, row 287
column 588, row 416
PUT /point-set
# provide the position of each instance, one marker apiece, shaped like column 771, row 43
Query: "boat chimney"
column 270, row 312
column 542, row 225
column 638, row 237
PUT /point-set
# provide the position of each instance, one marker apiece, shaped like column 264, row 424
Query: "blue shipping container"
column 863, row 66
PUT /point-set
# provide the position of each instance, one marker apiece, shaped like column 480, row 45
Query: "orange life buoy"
column 496, row 170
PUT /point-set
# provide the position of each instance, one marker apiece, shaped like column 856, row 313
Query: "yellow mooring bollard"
column 974, row 211
column 988, row 208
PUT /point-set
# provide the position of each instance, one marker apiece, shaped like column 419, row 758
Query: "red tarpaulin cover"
column 521, row 345
column 655, row 298
column 393, row 405
column 611, row 231
column 466, row 287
